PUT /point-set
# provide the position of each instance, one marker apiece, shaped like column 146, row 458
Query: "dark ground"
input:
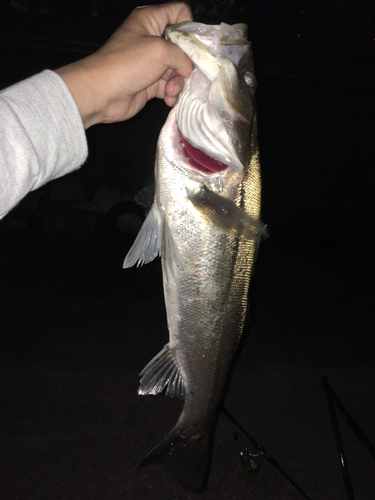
column 76, row 330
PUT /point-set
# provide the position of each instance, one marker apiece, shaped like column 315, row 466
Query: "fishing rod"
column 254, row 467
column 352, row 423
column 336, row 431
column 332, row 398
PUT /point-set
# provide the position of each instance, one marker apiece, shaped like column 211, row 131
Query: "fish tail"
column 187, row 457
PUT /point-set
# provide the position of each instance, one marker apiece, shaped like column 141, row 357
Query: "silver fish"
column 205, row 224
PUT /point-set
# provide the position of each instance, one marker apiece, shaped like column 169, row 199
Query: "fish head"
column 216, row 109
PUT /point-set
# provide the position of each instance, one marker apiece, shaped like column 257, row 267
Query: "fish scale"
column 205, row 227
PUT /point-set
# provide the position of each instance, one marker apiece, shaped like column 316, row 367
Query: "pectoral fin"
column 225, row 215
column 147, row 244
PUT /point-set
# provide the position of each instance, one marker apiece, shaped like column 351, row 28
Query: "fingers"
column 154, row 18
column 177, row 60
column 144, row 23
column 172, row 90
column 137, row 64
column 173, row 13
column 174, row 86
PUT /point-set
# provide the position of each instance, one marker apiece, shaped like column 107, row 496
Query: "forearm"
column 41, row 136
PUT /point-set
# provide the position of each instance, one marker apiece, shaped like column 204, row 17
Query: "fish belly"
column 206, row 276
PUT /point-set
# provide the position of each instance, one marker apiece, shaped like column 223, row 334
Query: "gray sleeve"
column 42, row 136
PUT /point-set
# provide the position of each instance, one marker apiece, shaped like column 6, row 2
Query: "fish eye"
column 249, row 79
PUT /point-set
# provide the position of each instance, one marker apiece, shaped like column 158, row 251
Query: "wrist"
column 81, row 82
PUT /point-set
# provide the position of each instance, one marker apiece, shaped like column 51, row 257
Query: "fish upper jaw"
column 190, row 44
column 205, row 44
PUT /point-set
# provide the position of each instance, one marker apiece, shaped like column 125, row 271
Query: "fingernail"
column 177, row 89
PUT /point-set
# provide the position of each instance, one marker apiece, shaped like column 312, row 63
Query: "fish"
column 205, row 224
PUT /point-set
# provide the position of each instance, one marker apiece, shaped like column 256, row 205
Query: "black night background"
column 76, row 329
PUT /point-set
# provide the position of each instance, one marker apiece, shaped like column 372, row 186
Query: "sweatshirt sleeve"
column 42, row 136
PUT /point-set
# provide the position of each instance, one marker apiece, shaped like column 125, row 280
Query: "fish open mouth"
column 200, row 160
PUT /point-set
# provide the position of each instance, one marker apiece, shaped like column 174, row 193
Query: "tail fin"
column 187, row 458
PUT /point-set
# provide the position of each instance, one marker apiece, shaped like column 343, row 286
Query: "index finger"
column 154, row 18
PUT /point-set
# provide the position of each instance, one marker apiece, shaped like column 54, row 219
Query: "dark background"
column 75, row 329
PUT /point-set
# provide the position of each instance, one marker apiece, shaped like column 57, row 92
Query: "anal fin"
column 162, row 373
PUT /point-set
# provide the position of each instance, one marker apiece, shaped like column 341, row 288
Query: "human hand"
column 133, row 66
